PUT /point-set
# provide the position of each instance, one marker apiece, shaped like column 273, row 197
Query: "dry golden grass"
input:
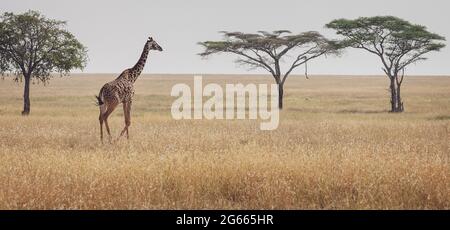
column 336, row 148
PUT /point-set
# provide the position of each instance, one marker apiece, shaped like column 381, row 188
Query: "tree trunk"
column 393, row 95
column 396, row 102
column 280, row 96
column 399, row 100
column 26, row 96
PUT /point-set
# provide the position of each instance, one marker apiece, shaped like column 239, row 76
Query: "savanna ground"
column 337, row 147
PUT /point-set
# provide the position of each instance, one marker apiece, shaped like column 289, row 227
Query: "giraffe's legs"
column 101, row 128
column 101, row 119
column 105, row 116
column 107, row 129
column 126, row 113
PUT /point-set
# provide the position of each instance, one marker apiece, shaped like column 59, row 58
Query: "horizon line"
column 259, row 74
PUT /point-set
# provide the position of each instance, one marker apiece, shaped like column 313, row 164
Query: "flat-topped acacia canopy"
column 267, row 50
column 397, row 42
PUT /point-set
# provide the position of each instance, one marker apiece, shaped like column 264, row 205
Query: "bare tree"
column 267, row 50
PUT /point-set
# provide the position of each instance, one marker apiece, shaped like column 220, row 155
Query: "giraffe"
column 121, row 90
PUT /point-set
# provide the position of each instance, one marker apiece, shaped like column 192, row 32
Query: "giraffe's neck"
column 137, row 69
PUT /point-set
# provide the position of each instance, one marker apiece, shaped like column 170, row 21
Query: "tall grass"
column 336, row 148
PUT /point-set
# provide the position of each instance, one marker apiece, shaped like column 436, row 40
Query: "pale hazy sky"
column 115, row 31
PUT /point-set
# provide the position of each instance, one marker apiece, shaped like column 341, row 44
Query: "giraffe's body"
column 121, row 90
column 118, row 91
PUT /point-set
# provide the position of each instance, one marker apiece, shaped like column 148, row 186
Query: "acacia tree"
column 267, row 50
column 33, row 47
column 397, row 43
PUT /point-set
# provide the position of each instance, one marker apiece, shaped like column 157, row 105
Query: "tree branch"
column 255, row 60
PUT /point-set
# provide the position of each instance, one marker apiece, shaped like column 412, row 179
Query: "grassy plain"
column 337, row 147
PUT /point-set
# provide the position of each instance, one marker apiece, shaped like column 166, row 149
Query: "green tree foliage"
column 33, row 46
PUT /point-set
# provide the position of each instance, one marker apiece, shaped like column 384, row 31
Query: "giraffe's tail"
column 99, row 101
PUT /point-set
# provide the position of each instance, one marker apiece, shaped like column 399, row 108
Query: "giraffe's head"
column 153, row 45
